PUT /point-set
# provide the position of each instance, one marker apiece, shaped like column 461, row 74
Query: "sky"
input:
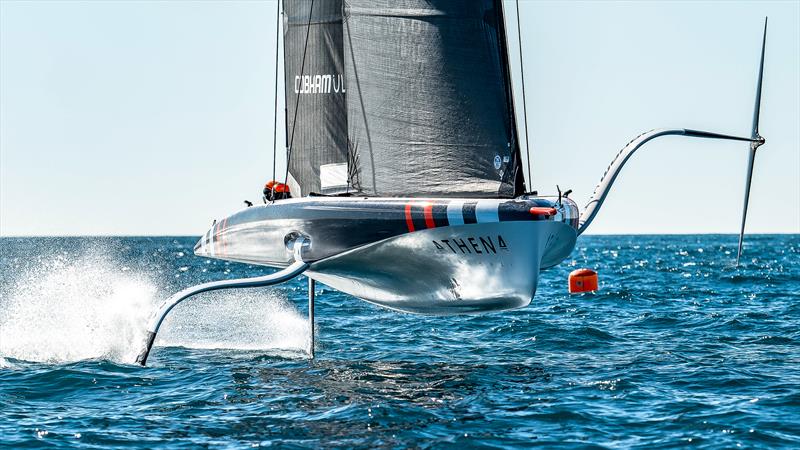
column 156, row 117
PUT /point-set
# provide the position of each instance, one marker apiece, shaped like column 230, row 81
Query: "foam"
column 236, row 319
column 66, row 310
column 63, row 311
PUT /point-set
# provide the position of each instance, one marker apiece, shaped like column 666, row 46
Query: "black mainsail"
column 316, row 117
column 425, row 107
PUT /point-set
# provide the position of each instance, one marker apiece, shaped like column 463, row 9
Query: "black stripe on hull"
column 469, row 212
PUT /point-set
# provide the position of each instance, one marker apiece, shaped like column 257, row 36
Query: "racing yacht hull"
column 427, row 256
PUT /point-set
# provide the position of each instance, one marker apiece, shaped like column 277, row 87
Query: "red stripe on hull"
column 428, row 210
column 409, row 220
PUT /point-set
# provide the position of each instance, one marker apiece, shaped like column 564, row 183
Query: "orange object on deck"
column 273, row 185
column 582, row 280
column 540, row 211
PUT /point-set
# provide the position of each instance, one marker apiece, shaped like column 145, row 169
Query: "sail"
column 429, row 103
column 316, row 118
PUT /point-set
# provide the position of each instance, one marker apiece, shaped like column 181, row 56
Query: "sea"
column 678, row 348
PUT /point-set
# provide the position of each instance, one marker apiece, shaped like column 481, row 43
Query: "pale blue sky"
column 150, row 118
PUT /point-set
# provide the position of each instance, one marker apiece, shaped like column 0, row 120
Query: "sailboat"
column 404, row 165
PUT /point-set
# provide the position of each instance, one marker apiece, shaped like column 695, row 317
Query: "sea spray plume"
column 63, row 310
column 81, row 306
column 242, row 319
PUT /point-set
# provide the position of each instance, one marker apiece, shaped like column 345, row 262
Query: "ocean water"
column 678, row 348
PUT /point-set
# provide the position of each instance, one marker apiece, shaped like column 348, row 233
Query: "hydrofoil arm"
column 610, row 175
column 755, row 140
column 296, row 268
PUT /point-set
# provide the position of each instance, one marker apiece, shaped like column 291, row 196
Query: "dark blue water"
column 678, row 348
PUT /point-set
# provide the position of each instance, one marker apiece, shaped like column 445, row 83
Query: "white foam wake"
column 69, row 310
column 236, row 319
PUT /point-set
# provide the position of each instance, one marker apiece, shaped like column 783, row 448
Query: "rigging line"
column 275, row 121
column 524, row 100
column 297, row 102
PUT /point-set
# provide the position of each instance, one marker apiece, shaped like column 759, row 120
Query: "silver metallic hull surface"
column 451, row 270
column 429, row 256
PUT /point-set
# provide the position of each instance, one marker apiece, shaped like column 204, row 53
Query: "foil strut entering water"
column 299, row 266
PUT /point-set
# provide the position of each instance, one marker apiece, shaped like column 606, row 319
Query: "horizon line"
column 18, row 236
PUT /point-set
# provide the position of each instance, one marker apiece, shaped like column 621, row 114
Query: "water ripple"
column 678, row 348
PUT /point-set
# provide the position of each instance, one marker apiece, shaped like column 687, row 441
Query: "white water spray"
column 65, row 311
column 69, row 310
column 236, row 319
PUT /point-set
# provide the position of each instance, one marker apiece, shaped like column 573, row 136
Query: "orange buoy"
column 582, row 280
